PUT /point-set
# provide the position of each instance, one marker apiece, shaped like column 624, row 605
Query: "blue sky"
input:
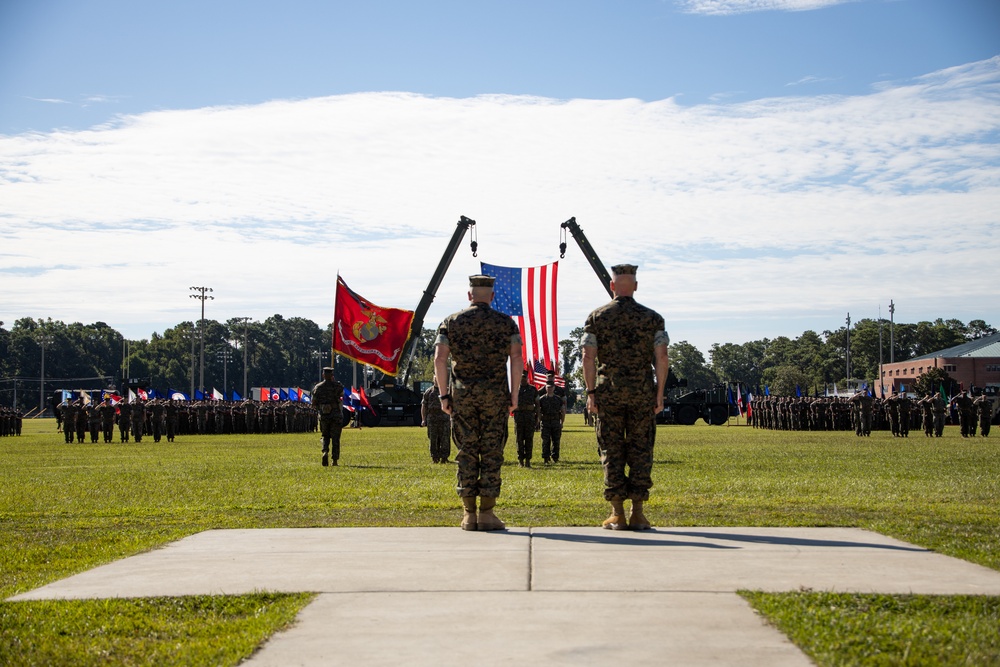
column 770, row 164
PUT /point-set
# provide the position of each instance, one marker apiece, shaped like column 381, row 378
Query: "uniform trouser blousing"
column 524, row 432
column 330, row 429
column 551, row 435
column 479, row 428
column 439, row 434
column 625, row 436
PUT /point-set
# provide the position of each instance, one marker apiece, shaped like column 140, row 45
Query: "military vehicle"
column 396, row 405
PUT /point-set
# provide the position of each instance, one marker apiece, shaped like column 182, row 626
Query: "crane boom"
column 464, row 224
column 588, row 252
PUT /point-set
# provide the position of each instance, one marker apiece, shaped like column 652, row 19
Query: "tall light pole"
column 191, row 395
column 43, row 340
column 246, row 326
column 892, row 339
column 201, row 296
column 848, row 351
column 320, row 356
column 224, row 355
column 881, row 380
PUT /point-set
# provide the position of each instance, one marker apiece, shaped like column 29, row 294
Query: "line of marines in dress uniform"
column 10, row 422
column 862, row 414
column 162, row 417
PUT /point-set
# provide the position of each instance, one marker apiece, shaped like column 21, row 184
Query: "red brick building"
column 972, row 364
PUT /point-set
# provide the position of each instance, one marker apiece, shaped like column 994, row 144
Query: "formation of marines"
column 160, row 418
column 863, row 414
column 11, row 421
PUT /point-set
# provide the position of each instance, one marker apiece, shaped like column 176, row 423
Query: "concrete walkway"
column 539, row 596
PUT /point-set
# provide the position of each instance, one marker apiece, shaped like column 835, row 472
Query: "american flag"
column 529, row 296
column 540, row 375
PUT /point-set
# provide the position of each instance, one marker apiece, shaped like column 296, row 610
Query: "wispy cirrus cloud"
column 725, row 7
column 740, row 215
column 48, row 100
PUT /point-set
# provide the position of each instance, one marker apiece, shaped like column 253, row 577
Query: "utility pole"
column 848, row 351
column 246, row 326
column 43, row 340
column 201, row 296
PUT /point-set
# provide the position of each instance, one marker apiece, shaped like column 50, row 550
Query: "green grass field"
column 66, row 508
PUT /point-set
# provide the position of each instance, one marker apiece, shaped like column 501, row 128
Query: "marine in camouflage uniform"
column 966, row 414
column 156, row 413
column 138, row 419
column 622, row 342
column 82, row 420
column 927, row 415
column 478, row 340
column 124, row 420
column 938, row 407
column 328, row 398
column 984, row 408
column 107, row 412
column 69, row 420
column 863, row 417
column 94, row 421
column 903, row 406
column 438, row 424
column 171, row 410
column 526, row 420
column 553, row 412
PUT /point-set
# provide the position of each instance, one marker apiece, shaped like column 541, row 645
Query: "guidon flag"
column 367, row 333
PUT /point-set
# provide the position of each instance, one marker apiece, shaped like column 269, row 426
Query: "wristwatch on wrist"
column 445, row 396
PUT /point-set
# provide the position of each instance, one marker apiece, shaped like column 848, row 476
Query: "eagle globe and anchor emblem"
column 368, row 330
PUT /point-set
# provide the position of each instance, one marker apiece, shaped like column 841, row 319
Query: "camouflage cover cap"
column 327, row 369
column 624, row 269
column 481, row 281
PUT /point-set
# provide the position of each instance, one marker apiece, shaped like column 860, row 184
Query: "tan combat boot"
column 637, row 520
column 487, row 519
column 617, row 519
column 469, row 519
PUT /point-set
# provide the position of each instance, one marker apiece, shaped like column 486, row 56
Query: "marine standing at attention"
column 623, row 342
column 327, row 398
column 438, row 424
column 479, row 341
column 526, row 420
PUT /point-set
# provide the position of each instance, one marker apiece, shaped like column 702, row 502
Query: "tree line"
column 289, row 352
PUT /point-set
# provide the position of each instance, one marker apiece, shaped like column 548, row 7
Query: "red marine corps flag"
column 368, row 333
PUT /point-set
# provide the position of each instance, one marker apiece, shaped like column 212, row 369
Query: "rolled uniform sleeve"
column 660, row 338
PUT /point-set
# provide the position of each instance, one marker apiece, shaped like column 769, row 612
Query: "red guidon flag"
column 368, row 333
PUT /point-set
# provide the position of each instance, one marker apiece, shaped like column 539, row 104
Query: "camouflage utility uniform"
column 327, row 398
column 479, row 339
column 526, row 420
column 984, row 408
column 438, row 424
column 553, row 413
column 625, row 333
